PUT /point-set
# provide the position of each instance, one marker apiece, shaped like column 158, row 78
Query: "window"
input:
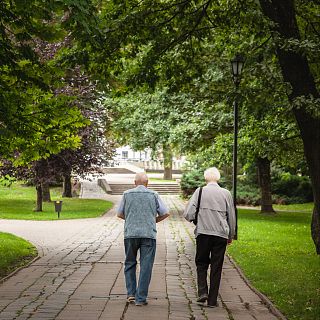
column 124, row 154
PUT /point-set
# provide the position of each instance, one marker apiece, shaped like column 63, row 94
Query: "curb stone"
column 2, row 280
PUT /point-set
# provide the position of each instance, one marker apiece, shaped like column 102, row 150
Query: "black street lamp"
column 236, row 67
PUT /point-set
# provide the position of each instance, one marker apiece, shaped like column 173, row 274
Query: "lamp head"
column 236, row 67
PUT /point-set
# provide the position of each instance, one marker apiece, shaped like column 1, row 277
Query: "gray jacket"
column 216, row 215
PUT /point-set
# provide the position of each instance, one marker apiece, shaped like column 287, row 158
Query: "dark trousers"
column 210, row 250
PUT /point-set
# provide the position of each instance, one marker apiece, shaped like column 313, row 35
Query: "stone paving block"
column 156, row 309
column 114, row 309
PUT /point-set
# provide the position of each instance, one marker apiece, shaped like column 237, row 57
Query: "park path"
column 80, row 273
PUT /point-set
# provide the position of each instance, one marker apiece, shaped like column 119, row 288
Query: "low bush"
column 288, row 188
column 248, row 195
column 190, row 181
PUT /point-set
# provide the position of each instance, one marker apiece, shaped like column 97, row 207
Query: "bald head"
column 141, row 179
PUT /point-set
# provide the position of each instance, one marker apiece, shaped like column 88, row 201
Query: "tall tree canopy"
column 36, row 117
column 182, row 46
column 146, row 35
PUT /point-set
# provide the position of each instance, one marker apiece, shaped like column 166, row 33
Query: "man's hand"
column 121, row 216
column 160, row 218
column 229, row 241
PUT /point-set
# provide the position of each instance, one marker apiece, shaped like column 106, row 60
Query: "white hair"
column 141, row 178
column 212, row 174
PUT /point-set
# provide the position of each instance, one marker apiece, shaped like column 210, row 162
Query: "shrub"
column 286, row 188
column 248, row 195
column 190, row 181
column 292, row 188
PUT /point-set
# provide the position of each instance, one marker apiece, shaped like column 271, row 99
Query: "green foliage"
column 276, row 253
column 286, row 189
column 17, row 202
column 6, row 180
column 52, row 126
column 290, row 188
column 248, row 194
column 162, row 119
column 190, row 181
column 14, row 253
column 37, row 118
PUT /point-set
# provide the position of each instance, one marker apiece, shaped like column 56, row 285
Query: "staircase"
column 117, row 170
column 161, row 188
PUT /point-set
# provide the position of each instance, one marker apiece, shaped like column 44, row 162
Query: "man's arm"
column 162, row 210
column 190, row 210
column 120, row 210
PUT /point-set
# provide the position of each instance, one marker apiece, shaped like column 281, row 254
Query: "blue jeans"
column 147, row 249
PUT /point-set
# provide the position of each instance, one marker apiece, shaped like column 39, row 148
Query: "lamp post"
column 236, row 67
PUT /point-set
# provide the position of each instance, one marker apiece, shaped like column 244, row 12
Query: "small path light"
column 58, row 207
column 236, row 68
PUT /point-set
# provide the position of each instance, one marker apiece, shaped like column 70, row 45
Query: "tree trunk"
column 167, row 163
column 264, row 179
column 46, row 192
column 296, row 71
column 67, row 187
column 39, row 198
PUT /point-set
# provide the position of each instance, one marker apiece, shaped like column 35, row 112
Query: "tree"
column 148, row 30
column 40, row 115
column 304, row 95
column 143, row 120
column 36, row 120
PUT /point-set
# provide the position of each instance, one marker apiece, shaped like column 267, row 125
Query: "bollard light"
column 58, row 207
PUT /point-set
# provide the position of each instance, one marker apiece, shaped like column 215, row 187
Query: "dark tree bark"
column 264, row 179
column 39, row 198
column 67, row 187
column 167, row 163
column 46, row 192
column 296, row 71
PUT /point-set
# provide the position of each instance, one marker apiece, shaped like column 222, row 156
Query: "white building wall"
column 142, row 159
column 126, row 153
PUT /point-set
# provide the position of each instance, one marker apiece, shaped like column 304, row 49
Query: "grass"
column 302, row 207
column 18, row 202
column 278, row 256
column 14, row 253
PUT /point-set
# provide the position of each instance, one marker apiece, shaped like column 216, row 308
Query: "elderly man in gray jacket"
column 214, row 230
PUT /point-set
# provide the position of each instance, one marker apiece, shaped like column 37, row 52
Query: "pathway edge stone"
column 5, row 278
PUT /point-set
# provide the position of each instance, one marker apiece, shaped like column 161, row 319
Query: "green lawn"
column 14, row 252
column 18, row 202
column 302, row 207
column 278, row 256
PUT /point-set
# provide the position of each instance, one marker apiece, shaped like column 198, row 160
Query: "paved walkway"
column 80, row 274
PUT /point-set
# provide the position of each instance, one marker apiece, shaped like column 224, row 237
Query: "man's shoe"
column 131, row 299
column 203, row 298
column 142, row 303
column 212, row 305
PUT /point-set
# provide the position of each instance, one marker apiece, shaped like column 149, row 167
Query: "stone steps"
column 161, row 188
column 117, row 170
